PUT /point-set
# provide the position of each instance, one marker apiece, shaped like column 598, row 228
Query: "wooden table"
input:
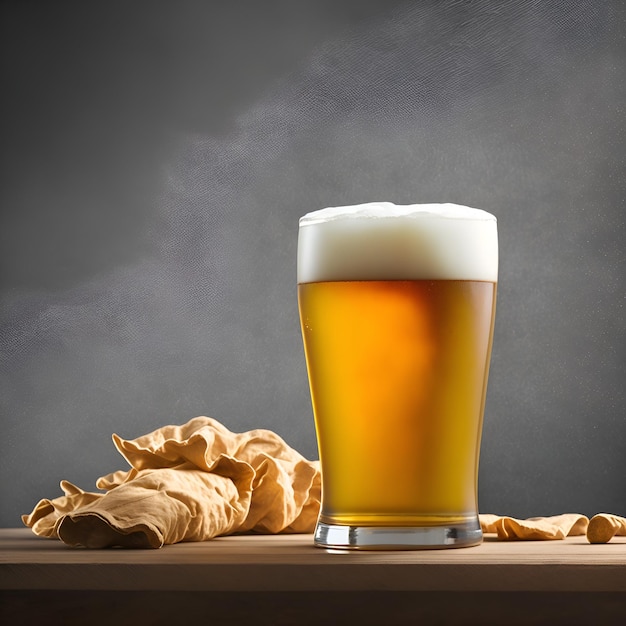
column 285, row 580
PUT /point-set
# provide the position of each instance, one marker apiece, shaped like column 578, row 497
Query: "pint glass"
column 397, row 307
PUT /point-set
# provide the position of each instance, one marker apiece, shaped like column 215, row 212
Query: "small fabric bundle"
column 188, row 483
column 604, row 526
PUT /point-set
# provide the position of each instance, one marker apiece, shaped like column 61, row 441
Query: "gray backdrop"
column 156, row 158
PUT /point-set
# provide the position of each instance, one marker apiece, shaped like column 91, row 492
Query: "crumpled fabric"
column 534, row 528
column 188, row 483
column 601, row 528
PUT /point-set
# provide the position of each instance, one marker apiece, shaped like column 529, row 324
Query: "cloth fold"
column 534, row 528
column 188, row 483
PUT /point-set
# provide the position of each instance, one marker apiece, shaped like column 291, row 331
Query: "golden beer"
column 398, row 371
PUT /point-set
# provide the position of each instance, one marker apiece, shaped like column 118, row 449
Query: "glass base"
column 461, row 535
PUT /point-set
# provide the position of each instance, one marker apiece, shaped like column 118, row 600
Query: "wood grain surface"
column 284, row 580
column 291, row 562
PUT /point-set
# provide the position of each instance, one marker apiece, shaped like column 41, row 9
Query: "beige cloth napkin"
column 188, row 483
column 200, row 480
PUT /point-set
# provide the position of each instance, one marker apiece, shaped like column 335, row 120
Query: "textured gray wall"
column 156, row 158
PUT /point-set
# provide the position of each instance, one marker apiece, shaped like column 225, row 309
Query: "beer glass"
column 397, row 307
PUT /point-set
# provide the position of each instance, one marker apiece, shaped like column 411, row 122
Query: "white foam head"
column 383, row 241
